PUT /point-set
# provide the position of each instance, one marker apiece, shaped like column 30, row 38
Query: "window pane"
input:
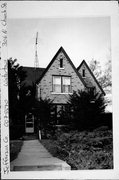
column 66, row 88
column 66, row 80
column 57, row 80
column 66, row 84
column 57, row 88
column 57, row 84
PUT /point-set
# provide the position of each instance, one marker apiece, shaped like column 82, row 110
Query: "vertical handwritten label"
column 5, row 73
column 5, row 167
column 5, row 159
column 4, row 24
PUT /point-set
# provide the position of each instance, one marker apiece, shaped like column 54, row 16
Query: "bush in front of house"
column 42, row 112
column 86, row 108
column 16, row 131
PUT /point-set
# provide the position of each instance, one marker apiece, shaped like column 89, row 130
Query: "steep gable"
column 89, row 77
column 61, row 51
column 63, row 68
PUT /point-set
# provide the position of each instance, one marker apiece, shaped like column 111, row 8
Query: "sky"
column 82, row 38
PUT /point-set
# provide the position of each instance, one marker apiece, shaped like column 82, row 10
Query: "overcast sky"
column 81, row 37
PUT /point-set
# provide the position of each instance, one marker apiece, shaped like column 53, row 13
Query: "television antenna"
column 36, row 63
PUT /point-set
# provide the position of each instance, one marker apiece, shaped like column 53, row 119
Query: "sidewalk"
column 34, row 157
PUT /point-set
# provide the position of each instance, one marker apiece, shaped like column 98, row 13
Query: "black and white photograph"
column 60, row 94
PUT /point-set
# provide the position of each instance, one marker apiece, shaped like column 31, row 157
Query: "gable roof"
column 32, row 75
column 84, row 62
column 61, row 49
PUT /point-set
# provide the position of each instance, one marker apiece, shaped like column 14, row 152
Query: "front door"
column 29, row 123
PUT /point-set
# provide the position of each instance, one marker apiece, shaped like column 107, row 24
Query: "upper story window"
column 61, row 62
column 83, row 72
column 57, row 84
column 66, row 83
column 61, row 84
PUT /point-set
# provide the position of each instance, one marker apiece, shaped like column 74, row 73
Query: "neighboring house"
column 60, row 79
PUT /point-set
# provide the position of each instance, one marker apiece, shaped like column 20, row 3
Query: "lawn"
column 83, row 150
column 15, row 147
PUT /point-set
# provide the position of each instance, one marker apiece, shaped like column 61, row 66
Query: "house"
column 61, row 78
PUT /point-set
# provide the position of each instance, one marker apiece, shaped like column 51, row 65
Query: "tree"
column 86, row 108
column 27, row 97
column 15, row 77
column 103, row 77
column 95, row 68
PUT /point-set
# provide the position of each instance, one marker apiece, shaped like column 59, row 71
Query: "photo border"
column 61, row 9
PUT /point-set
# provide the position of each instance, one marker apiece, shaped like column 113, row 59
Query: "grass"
column 83, row 150
column 15, row 147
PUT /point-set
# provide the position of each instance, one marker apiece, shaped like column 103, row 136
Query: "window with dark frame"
column 83, row 72
column 66, row 84
column 62, row 84
column 57, row 84
column 61, row 62
column 92, row 90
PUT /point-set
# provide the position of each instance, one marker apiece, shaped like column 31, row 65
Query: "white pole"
column 40, row 134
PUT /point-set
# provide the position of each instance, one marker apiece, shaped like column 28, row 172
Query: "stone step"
column 37, row 168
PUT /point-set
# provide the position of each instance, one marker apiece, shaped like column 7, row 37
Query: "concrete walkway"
column 34, row 157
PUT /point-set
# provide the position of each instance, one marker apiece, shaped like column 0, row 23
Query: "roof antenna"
column 36, row 63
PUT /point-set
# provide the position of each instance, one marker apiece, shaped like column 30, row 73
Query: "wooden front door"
column 29, row 123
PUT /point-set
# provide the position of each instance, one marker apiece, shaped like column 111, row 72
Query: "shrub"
column 42, row 112
column 16, row 131
column 86, row 108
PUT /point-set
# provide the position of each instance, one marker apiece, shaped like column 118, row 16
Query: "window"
column 61, row 84
column 92, row 90
column 83, row 72
column 66, row 84
column 57, row 84
column 61, row 63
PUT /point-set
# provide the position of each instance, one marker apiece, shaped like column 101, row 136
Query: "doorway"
column 29, row 123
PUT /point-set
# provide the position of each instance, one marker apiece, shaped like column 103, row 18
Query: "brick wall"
column 46, row 81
